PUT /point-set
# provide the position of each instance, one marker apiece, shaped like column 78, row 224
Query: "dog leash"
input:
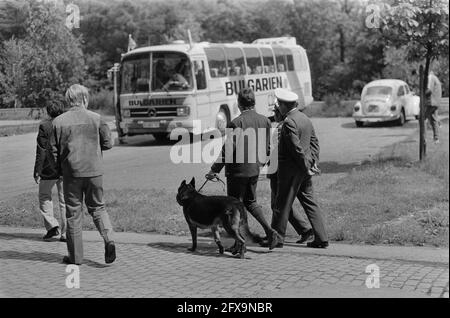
column 216, row 179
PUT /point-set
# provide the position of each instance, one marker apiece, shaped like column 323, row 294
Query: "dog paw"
column 221, row 250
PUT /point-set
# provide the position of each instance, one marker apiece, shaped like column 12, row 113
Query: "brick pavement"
column 161, row 266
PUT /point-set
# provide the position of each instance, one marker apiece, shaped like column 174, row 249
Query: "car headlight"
column 393, row 108
column 183, row 111
column 357, row 107
column 125, row 112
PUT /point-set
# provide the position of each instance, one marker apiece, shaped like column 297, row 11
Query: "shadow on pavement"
column 24, row 236
column 43, row 257
column 202, row 250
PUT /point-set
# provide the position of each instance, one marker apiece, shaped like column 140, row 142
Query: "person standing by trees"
column 433, row 97
column 47, row 176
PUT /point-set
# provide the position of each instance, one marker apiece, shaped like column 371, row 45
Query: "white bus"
column 168, row 86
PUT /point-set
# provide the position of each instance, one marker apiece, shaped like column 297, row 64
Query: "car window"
column 378, row 90
column 401, row 91
column 407, row 89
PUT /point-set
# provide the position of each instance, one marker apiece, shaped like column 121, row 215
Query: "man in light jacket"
column 79, row 138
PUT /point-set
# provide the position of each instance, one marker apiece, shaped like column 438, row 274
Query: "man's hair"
column 75, row 95
column 54, row 109
column 246, row 98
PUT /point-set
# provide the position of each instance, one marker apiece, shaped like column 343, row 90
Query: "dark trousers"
column 431, row 113
column 296, row 219
column 291, row 184
column 244, row 189
column 92, row 191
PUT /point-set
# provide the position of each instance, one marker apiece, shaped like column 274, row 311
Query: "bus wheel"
column 221, row 120
column 359, row 123
column 160, row 136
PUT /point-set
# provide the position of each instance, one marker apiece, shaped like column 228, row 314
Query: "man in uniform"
column 297, row 153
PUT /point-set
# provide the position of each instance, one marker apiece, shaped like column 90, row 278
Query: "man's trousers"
column 92, row 190
column 291, row 184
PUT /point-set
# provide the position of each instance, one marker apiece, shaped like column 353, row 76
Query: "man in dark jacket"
column 297, row 152
column 46, row 176
column 243, row 157
column 79, row 138
column 297, row 220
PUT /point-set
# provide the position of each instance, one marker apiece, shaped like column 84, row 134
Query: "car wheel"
column 401, row 120
column 417, row 117
column 359, row 123
column 221, row 120
column 160, row 136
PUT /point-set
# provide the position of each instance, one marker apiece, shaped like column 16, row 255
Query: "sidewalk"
column 150, row 265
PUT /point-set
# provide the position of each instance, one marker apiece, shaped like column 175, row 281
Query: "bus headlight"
column 183, row 111
column 126, row 113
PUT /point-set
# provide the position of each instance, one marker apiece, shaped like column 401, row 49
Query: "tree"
column 421, row 27
column 45, row 62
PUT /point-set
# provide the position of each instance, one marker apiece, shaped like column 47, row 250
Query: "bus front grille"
column 153, row 112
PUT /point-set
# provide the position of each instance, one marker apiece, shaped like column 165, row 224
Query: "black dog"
column 211, row 211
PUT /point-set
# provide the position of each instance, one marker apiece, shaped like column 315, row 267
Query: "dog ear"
column 183, row 183
column 192, row 183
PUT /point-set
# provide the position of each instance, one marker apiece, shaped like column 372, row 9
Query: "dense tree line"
column 343, row 52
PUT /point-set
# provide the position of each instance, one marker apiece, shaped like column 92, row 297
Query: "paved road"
column 145, row 164
column 160, row 266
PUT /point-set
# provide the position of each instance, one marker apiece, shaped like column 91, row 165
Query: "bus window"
column 290, row 62
column 269, row 65
column 199, row 71
column 235, row 58
column 280, row 59
column 136, row 74
column 303, row 61
column 253, row 60
column 216, row 61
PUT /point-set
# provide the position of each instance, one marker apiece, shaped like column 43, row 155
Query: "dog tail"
column 244, row 229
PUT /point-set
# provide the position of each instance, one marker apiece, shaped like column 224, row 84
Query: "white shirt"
column 434, row 85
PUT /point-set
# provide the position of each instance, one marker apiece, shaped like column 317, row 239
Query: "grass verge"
column 18, row 130
column 392, row 200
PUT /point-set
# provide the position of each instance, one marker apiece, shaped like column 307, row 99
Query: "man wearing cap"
column 242, row 171
column 298, row 151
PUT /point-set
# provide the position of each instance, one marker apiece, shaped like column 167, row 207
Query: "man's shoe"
column 306, row 236
column 66, row 260
column 63, row 238
column 274, row 240
column 266, row 244
column 51, row 233
column 315, row 244
column 110, row 252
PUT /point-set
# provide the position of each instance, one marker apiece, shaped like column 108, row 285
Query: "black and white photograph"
column 225, row 155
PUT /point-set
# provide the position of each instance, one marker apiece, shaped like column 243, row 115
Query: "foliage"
column 41, row 66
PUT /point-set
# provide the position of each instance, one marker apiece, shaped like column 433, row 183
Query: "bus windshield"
column 171, row 72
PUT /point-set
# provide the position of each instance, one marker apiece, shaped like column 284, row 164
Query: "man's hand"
column 211, row 175
column 314, row 170
column 37, row 178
